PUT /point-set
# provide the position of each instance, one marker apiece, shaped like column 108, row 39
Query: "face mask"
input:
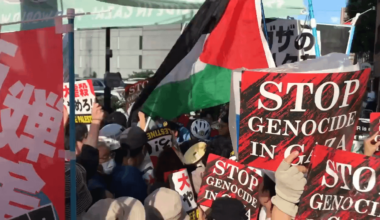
column 108, row 166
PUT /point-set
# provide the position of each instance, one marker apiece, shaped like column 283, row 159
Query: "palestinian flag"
column 224, row 35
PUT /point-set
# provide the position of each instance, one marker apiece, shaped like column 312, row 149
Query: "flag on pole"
column 224, row 35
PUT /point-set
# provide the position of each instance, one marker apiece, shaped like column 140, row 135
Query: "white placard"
column 181, row 184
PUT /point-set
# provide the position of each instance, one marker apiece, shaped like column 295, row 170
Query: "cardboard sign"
column 290, row 42
column 159, row 139
column 283, row 112
column 84, row 100
column 224, row 177
column 341, row 185
column 180, row 182
column 44, row 212
column 132, row 92
column 31, row 136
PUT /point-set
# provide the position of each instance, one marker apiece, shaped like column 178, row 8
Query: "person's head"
column 81, row 133
column 164, row 204
column 221, row 146
column 116, row 118
column 225, row 208
column 167, row 161
column 133, row 147
column 123, row 208
column 173, row 126
column 223, row 125
column 200, row 129
column 107, row 147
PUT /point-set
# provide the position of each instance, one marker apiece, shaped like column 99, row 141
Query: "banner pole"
column 313, row 24
column 265, row 24
column 73, row 191
column 352, row 33
column 147, row 123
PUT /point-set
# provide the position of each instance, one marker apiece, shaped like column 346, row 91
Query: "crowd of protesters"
column 110, row 184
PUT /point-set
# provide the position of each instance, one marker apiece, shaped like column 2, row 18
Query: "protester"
column 225, row 208
column 127, row 179
column 194, row 157
column 164, row 204
column 223, row 125
column 87, row 161
column 180, row 133
column 167, row 161
column 116, row 118
column 200, row 129
column 290, row 183
column 123, row 208
column 221, row 146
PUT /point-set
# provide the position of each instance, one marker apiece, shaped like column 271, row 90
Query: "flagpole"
column 147, row 123
column 352, row 33
column 73, row 191
column 313, row 24
column 265, row 25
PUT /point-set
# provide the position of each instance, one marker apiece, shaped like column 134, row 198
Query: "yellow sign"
column 194, row 214
column 83, row 119
column 158, row 133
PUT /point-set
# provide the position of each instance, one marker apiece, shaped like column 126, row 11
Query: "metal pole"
column 107, row 90
column 73, row 191
column 313, row 24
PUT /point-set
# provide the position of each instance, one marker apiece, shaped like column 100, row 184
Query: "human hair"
column 81, row 132
column 167, row 161
column 120, row 154
column 221, row 146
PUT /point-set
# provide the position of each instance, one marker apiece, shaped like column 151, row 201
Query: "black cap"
column 225, row 208
column 171, row 125
column 116, row 118
column 134, row 137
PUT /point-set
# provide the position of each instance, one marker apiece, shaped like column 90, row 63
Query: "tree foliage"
column 143, row 74
column 364, row 38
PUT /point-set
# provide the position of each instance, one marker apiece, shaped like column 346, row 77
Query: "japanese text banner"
column 31, row 175
column 283, row 112
column 341, row 185
column 84, row 100
column 224, row 177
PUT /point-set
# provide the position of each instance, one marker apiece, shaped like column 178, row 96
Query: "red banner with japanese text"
column 283, row 112
column 31, row 137
column 340, row 185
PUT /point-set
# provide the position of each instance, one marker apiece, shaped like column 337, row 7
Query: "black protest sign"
column 41, row 213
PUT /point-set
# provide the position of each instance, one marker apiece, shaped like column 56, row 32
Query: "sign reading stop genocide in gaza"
column 283, row 112
column 341, row 186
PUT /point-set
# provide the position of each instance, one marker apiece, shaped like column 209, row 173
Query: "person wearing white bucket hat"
column 123, row 208
column 164, row 204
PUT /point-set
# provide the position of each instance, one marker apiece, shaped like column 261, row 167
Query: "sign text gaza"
column 274, row 126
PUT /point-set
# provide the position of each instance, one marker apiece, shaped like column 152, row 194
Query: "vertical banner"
column 224, row 177
column 283, row 112
column 159, row 139
column 84, row 100
column 341, row 185
column 180, row 182
column 375, row 127
column 32, row 174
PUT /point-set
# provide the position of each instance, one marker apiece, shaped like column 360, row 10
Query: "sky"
column 326, row 11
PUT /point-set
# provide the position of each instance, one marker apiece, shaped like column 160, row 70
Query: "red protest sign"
column 132, row 92
column 341, row 185
column 224, row 177
column 32, row 174
column 283, row 112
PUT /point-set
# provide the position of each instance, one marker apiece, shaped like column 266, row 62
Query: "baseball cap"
column 164, row 204
column 134, row 137
column 84, row 198
column 110, row 142
column 112, row 130
column 225, row 208
column 123, row 208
